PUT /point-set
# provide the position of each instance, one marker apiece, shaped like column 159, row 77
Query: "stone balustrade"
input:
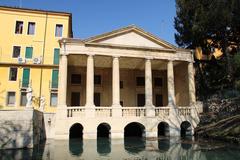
column 164, row 112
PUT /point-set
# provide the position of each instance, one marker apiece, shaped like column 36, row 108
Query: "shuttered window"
column 26, row 75
column 56, row 56
column 54, row 78
column 29, row 52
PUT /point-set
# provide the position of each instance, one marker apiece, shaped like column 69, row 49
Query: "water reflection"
column 103, row 146
column 163, row 144
column 76, row 146
column 128, row 148
column 134, row 145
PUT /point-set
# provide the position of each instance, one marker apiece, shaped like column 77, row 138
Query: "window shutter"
column 29, row 51
column 56, row 56
column 55, row 79
column 25, row 79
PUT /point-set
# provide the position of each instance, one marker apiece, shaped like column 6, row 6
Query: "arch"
column 76, row 131
column 186, row 129
column 134, row 129
column 163, row 129
column 103, row 130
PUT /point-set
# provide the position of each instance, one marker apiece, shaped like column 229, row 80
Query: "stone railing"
column 184, row 111
column 75, row 111
column 133, row 111
column 103, row 111
column 162, row 111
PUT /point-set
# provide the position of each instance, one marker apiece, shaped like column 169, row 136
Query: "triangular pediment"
column 130, row 36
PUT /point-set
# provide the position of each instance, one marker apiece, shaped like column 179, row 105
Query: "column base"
column 116, row 110
column 90, row 111
column 150, row 111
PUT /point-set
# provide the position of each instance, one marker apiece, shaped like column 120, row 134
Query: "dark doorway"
column 134, row 130
column 75, row 99
column 163, row 129
column 140, row 100
column 103, row 130
column 159, row 100
column 76, row 131
column 186, row 129
column 97, row 99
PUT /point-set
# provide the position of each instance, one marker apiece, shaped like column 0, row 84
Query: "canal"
column 127, row 149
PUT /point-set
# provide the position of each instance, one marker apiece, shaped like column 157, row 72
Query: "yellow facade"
column 43, row 42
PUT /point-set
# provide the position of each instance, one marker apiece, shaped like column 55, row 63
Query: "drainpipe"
column 43, row 53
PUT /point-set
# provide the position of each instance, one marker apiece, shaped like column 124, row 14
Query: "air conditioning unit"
column 37, row 60
column 21, row 60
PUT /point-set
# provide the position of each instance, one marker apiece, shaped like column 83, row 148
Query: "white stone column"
column 191, row 83
column 171, row 89
column 90, row 107
column 148, row 83
column 117, row 111
column 150, row 111
column 62, row 84
column 90, row 81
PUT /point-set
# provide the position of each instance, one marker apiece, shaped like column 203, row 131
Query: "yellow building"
column 29, row 55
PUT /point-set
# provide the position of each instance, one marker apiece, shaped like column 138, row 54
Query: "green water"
column 127, row 149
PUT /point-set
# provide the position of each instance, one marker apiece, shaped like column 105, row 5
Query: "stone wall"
column 21, row 128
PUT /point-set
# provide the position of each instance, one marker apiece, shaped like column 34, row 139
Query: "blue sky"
column 92, row 17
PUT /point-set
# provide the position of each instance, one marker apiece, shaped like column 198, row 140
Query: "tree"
column 210, row 24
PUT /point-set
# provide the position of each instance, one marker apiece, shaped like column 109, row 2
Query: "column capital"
column 149, row 58
column 115, row 56
column 90, row 54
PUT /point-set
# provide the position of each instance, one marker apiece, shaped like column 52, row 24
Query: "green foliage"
column 210, row 24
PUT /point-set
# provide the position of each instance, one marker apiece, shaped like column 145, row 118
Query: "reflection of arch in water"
column 103, row 130
column 76, row 131
column 163, row 144
column 134, row 129
column 103, row 145
column 163, row 129
column 134, row 144
column 186, row 129
column 76, row 147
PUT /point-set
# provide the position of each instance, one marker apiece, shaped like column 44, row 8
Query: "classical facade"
column 123, row 81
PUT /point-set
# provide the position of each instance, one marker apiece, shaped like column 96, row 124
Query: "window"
column 23, row 100
column 16, row 51
column 97, row 99
column 140, row 81
column 54, row 78
column 31, row 28
column 97, row 79
column 56, row 56
column 75, row 99
column 140, row 100
column 29, row 52
column 25, row 79
column 11, row 98
column 121, row 84
column 13, row 74
column 19, row 27
column 58, row 30
column 53, row 100
column 158, row 82
column 159, row 100
column 76, row 79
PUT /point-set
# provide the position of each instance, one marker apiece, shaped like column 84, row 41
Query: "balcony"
column 161, row 112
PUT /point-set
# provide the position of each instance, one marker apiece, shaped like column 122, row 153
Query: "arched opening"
column 186, row 129
column 163, row 129
column 103, row 130
column 134, row 130
column 76, row 131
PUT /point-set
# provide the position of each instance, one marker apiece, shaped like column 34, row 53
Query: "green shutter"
column 54, row 78
column 25, row 79
column 56, row 56
column 29, row 51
